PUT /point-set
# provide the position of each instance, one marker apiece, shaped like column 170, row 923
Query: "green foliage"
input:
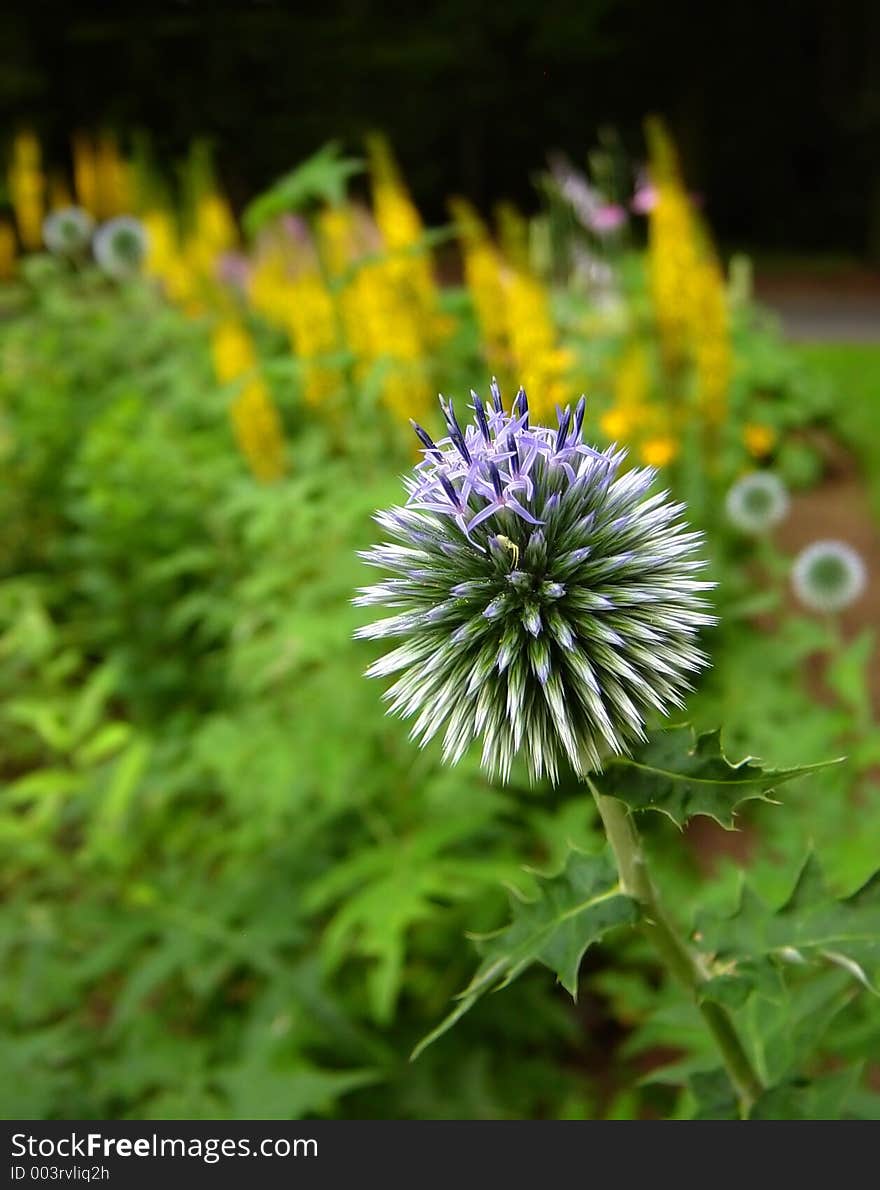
column 231, row 888
column 682, row 774
column 809, row 925
column 555, row 926
column 323, row 177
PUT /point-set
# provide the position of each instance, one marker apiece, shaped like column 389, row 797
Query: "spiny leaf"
column 682, row 774
column 810, row 925
column 569, row 912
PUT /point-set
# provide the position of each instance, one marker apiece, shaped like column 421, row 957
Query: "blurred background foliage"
column 777, row 107
column 230, row 887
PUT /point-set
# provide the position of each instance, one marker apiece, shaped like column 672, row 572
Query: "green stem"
column 686, row 966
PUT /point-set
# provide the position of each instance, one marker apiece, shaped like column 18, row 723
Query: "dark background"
column 776, row 104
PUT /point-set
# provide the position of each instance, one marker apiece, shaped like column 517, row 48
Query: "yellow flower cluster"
column 636, row 418
column 409, row 262
column 540, row 364
column 672, row 252
column 187, row 266
column 759, row 439
column 103, row 179
column 256, row 423
column 711, row 346
column 687, row 286
column 27, row 187
column 520, row 336
column 7, row 251
column 314, row 335
column 483, row 267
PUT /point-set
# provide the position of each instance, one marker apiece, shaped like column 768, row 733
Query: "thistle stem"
column 684, row 964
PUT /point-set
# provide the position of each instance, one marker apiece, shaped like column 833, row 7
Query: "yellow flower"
column 409, row 264
column 85, row 174
column 313, row 331
column 258, row 432
column 7, row 251
column 232, row 351
column 26, row 189
column 115, row 194
column 256, row 423
column 616, row 424
column 659, row 451
column 215, row 225
column 759, row 439
column 712, row 351
column 483, row 269
column 59, row 192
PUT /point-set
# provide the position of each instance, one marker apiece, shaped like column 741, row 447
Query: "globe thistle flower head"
column 67, row 231
column 757, row 502
column 544, row 600
column 120, row 246
column 828, row 576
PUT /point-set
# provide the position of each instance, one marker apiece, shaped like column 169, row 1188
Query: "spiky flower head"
column 120, row 246
column 67, row 231
column 757, row 502
column 544, row 599
column 828, row 576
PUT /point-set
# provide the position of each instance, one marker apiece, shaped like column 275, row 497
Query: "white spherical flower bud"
column 120, row 246
column 66, row 232
column 544, row 600
column 828, row 576
column 757, row 502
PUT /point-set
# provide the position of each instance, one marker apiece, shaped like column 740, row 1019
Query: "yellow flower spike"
column 215, row 226
column 7, row 251
column 232, row 351
column 313, row 328
column 410, row 265
column 85, row 174
column 483, row 269
column 712, row 351
column 537, row 361
column 59, row 193
column 115, row 192
column 658, row 451
column 258, row 431
column 672, row 249
column 26, row 189
column 256, row 423
column 759, row 439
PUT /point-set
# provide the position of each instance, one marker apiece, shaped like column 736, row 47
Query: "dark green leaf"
column 681, row 774
column 810, row 925
column 569, row 912
column 320, row 178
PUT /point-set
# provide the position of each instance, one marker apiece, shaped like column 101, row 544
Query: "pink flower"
column 607, row 218
column 233, row 268
column 645, row 199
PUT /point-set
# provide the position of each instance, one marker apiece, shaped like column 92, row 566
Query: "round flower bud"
column 66, row 232
column 544, row 599
column 120, row 246
column 757, row 502
column 828, row 576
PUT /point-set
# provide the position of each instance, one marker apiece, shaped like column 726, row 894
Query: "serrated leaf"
column 811, row 925
column 682, row 774
column 568, row 913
